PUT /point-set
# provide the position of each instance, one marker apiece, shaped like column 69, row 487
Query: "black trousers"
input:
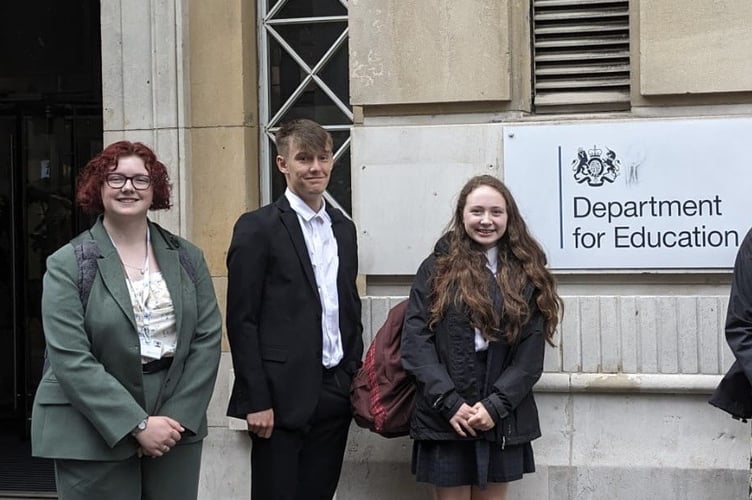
column 305, row 464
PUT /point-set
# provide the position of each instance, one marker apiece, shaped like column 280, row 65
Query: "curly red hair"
column 92, row 177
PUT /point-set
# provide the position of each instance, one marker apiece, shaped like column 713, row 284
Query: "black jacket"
column 274, row 314
column 443, row 363
column 734, row 393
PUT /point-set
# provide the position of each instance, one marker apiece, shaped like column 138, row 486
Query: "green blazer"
column 91, row 396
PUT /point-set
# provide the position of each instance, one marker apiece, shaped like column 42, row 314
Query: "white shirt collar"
column 302, row 209
column 492, row 258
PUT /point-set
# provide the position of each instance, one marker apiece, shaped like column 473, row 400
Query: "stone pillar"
column 143, row 77
column 180, row 76
column 223, row 136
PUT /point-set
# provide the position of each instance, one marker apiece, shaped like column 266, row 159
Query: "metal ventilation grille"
column 581, row 55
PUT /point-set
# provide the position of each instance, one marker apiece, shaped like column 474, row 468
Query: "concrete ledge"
column 597, row 383
column 646, row 383
column 596, row 482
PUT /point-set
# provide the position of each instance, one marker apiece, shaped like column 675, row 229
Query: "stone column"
column 143, row 81
column 180, row 76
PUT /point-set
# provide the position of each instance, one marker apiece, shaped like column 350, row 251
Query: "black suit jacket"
column 734, row 393
column 274, row 313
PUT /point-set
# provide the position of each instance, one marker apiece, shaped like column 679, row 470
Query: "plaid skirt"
column 470, row 462
column 475, row 463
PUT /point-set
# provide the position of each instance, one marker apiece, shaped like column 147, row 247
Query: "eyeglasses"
column 139, row 182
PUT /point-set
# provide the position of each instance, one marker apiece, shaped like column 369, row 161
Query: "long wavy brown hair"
column 461, row 278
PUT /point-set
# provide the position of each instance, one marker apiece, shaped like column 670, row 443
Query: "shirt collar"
column 492, row 258
column 303, row 210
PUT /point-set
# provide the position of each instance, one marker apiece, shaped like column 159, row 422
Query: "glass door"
column 42, row 147
column 48, row 196
column 41, row 152
column 9, row 339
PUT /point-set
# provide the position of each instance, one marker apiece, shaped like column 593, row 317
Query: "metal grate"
column 303, row 47
column 580, row 55
column 22, row 475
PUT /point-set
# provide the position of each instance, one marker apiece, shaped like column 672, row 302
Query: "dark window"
column 305, row 54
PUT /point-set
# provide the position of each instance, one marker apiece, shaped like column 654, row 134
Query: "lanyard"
column 142, row 297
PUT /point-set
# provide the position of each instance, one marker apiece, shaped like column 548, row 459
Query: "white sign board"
column 640, row 194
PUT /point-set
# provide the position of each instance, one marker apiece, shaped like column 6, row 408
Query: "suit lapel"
column 339, row 228
column 111, row 271
column 292, row 225
column 169, row 264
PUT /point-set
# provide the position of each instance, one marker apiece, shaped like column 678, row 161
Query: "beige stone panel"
column 167, row 147
column 220, row 288
column 442, row 110
column 521, row 56
column 216, row 414
column 421, row 52
column 112, row 66
column 695, row 46
column 223, row 62
column 225, row 466
column 224, row 184
column 165, row 79
column 138, row 51
column 141, row 74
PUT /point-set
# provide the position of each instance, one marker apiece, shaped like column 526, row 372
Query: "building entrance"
column 40, row 154
column 50, row 125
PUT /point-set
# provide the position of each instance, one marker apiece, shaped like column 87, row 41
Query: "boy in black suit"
column 293, row 322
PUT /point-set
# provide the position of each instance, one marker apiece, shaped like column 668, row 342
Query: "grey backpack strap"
column 187, row 263
column 87, row 253
column 185, row 259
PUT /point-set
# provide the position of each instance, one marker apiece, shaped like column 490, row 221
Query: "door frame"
column 25, row 382
column 17, row 358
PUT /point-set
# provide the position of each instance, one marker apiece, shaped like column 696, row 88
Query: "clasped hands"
column 160, row 435
column 469, row 419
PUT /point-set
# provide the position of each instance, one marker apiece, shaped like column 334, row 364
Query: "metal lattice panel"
column 304, row 74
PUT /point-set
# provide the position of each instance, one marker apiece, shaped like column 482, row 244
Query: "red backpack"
column 382, row 392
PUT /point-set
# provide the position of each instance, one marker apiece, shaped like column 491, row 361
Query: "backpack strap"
column 187, row 263
column 185, row 259
column 87, row 253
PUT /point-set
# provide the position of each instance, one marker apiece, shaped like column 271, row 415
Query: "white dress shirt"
column 323, row 252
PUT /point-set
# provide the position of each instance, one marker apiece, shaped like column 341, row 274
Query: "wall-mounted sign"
column 634, row 194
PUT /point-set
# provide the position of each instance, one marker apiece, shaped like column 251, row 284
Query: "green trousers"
column 173, row 476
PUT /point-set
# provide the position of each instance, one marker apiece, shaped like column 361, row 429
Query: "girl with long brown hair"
column 481, row 310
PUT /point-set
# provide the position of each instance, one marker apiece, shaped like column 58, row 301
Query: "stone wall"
column 624, row 415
